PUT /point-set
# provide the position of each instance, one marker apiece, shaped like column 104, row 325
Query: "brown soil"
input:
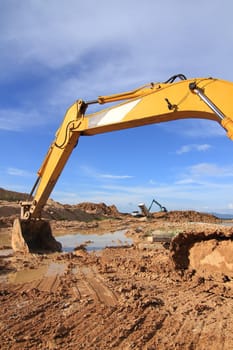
column 133, row 297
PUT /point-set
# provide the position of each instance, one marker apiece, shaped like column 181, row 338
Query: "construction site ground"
column 130, row 296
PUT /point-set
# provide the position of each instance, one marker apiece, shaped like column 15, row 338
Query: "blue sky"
column 54, row 52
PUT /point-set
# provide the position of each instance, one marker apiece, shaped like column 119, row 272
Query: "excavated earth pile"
column 186, row 216
column 85, row 212
column 208, row 252
column 98, row 209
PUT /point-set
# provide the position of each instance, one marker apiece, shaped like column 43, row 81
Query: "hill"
column 12, row 196
column 10, row 208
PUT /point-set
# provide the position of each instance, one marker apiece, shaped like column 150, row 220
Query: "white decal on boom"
column 111, row 116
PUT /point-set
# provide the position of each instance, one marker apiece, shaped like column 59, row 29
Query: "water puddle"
column 56, row 269
column 94, row 242
column 225, row 223
column 29, row 275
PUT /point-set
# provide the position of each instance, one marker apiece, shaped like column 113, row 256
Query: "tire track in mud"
column 218, row 326
column 195, row 322
column 45, row 284
column 46, row 278
column 139, row 332
column 100, row 300
column 49, row 284
column 93, row 297
column 27, row 321
column 92, row 283
column 96, row 332
column 115, row 325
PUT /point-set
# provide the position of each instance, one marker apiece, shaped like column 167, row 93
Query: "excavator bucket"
column 33, row 236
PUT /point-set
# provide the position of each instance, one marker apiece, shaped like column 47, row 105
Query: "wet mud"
column 123, row 297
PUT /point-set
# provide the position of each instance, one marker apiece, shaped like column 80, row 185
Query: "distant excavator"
column 146, row 211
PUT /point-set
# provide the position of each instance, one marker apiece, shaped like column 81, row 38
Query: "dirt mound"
column 84, row 212
column 98, row 209
column 8, row 208
column 186, row 216
column 57, row 211
column 8, row 212
column 206, row 252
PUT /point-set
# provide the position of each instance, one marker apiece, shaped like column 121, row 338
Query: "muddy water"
column 94, row 241
column 50, row 270
column 29, row 275
column 225, row 223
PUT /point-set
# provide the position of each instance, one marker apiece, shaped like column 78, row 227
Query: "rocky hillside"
column 12, row 196
column 9, row 209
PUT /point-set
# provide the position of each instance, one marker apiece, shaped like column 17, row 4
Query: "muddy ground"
column 126, row 297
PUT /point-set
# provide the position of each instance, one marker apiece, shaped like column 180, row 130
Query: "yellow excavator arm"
column 205, row 98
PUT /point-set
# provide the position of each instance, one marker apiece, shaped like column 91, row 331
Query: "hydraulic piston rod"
column 193, row 87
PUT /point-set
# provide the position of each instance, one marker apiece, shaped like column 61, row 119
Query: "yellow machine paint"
column 205, row 98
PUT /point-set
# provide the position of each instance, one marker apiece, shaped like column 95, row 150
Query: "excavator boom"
column 205, row 98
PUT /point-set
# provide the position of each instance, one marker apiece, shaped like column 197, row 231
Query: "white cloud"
column 56, row 35
column 193, row 147
column 193, row 128
column 19, row 172
column 115, row 177
column 173, row 196
column 16, row 120
column 88, row 50
column 198, row 189
column 210, row 170
column 93, row 173
column 206, row 176
column 152, row 182
column 203, row 147
column 185, row 181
